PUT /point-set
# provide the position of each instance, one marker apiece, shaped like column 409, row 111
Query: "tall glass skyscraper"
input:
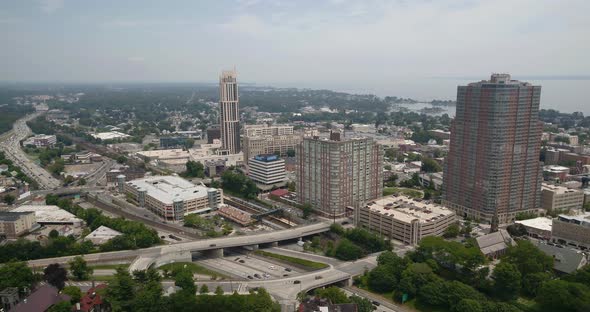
column 493, row 166
column 229, row 112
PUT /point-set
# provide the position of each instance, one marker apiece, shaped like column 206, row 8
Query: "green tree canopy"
column 80, row 269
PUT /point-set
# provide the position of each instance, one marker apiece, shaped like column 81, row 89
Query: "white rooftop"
column 167, row 189
column 109, row 135
column 407, row 209
column 49, row 214
column 540, row 223
column 102, row 234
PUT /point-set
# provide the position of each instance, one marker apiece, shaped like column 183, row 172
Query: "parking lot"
column 249, row 267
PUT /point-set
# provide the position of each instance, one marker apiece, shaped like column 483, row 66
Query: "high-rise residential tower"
column 335, row 174
column 493, row 167
column 229, row 112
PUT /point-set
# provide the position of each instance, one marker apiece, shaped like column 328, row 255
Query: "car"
column 285, row 275
column 212, row 245
column 296, row 282
column 236, row 259
column 376, row 303
column 257, row 275
column 318, row 277
column 288, row 270
column 250, row 277
column 242, row 261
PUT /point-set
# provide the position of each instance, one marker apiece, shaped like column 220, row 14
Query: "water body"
column 564, row 95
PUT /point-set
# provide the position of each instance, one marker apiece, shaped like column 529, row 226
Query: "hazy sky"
column 350, row 42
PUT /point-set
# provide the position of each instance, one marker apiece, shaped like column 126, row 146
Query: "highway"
column 10, row 144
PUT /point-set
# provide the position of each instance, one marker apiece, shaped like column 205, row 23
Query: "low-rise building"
column 130, row 173
column 560, row 198
column 403, row 218
column 14, row 224
column 555, row 173
column 267, row 169
column 41, row 140
column 572, row 230
column 494, row 245
column 538, row 227
column 42, row 299
column 172, row 197
column 565, row 259
column 50, row 215
column 102, row 235
column 93, row 301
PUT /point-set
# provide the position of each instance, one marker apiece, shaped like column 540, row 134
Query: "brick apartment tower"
column 335, row 174
column 493, row 164
column 229, row 112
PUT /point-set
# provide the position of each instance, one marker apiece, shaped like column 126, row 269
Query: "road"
column 10, row 144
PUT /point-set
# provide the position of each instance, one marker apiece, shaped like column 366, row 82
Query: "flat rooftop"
column 541, row 223
column 49, row 214
column 407, row 209
column 558, row 189
column 167, row 189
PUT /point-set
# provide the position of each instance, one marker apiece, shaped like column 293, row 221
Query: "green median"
column 292, row 260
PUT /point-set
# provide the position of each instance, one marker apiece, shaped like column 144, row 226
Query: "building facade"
column 172, row 197
column 572, row 230
column 335, row 174
column 493, row 167
column 264, row 139
column 403, row 218
column 14, row 224
column 41, row 140
column 267, row 169
column 560, row 198
column 229, row 112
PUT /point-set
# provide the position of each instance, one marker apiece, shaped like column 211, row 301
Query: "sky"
column 346, row 43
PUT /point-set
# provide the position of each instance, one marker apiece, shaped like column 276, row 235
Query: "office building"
column 560, row 198
column 229, row 112
column 493, row 167
column 267, row 169
column 264, row 139
column 14, row 224
column 335, row 174
column 41, row 140
column 213, row 133
column 572, row 230
column 403, row 218
column 172, row 197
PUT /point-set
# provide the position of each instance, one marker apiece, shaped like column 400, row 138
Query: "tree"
column 452, row 231
column 82, row 181
column 516, row 230
column 80, row 269
column 332, row 293
column 307, row 210
column 468, row 305
column 528, row 258
column 74, row 292
column 204, row 289
column 219, row 291
column 433, row 293
column 363, row 304
column 430, row 165
column 53, row 234
column 64, row 306
column 346, row 250
column 532, row 282
column 121, row 291
column 55, row 275
column 382, row 279
column 121, row 159
column 507, row 280
column 183, row 278
column 149, row 296
column 559, row 295
column 194, row 169
column 16, row 274
column 9, row 199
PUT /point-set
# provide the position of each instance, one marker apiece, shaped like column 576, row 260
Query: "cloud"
column 131, row 23
column 9, row 20
column 50, row 6
column 247, row 24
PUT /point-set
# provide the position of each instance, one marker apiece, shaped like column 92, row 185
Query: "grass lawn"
column 103, row 278
column 195, row 268
column 406, row 191
column 302, row 262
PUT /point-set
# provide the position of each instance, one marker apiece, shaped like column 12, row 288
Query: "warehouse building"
column 14, row 224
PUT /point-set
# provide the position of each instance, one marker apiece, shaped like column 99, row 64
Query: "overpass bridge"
column 144, row 258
